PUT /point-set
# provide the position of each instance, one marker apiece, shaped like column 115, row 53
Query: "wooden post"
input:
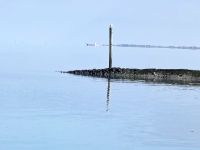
column 110, row 46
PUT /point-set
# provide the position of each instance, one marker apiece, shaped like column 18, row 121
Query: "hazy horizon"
column 51, row 35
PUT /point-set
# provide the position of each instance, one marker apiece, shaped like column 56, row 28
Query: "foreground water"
column 60, row 111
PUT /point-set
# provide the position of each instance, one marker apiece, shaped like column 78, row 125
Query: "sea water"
column 49, row 110
column 41, row 109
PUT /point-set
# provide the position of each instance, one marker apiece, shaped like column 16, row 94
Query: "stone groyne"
column 157, row 75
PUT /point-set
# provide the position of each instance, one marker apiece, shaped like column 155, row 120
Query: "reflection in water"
column 108, row 95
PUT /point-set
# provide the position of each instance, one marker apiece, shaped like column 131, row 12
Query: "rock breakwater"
column 159, row 75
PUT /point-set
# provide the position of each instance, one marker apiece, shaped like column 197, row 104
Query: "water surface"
column 48, row 110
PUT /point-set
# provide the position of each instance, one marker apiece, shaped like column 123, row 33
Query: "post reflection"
column 108, row 96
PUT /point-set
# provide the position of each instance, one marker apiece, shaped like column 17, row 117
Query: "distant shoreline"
column 156, row 75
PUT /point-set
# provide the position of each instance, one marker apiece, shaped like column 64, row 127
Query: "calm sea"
column 41, row 109
column 49, row 110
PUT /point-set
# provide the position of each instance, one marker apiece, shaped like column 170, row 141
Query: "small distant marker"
column 110, row 46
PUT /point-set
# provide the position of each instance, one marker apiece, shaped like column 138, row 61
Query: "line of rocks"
column 180, row 75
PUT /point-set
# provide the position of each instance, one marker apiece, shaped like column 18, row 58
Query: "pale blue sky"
column 50, row 34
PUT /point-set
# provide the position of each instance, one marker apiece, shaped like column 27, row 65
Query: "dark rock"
column 175, row 75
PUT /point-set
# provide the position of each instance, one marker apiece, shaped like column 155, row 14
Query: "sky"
column 50, row 35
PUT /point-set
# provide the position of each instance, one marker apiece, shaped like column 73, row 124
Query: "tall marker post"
column 110, row 46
